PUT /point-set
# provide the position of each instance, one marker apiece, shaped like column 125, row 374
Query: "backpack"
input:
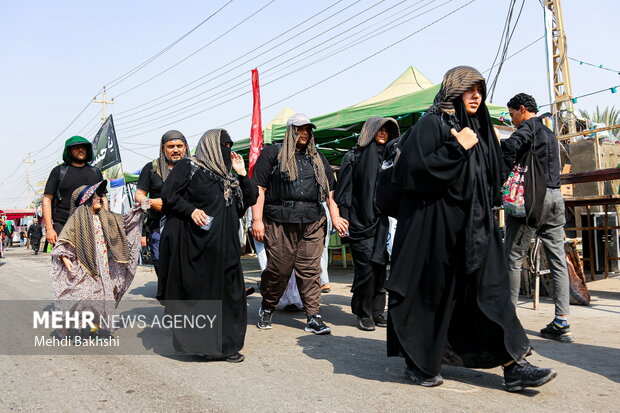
column 523, row 193
column 61, row 175
column 387, row 193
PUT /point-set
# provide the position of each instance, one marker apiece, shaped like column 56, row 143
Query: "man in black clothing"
column 293, row 180
column 172, row 149
column 531, row 131
column 34, row 234
column 63, row 180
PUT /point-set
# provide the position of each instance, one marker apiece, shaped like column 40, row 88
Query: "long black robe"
column 204, row 265
column 368, row 230
column 449, row 292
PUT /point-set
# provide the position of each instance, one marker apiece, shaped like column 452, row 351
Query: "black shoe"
column 249, row 291
column 379, row 320
column 518, row 376
column 557, row 332
column 365, row 324
column 264, row 319
column 235, row 358
column 316, row 325
column 422, row 379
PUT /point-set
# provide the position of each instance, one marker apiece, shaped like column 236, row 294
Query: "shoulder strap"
column 61, row 176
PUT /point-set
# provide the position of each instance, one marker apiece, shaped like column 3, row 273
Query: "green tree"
column 609, row 116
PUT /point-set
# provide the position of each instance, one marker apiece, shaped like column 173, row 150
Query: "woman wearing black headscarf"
column 200, row 249
column 368, row 230
column 449, row 292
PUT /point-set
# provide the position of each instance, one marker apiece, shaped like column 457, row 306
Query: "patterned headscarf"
column 160, row 165
column 288, row 165
column 455, row 82
column 79, row 230
column 209, row 156
column 372, row 126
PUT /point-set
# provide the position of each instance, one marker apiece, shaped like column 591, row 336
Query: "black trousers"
column 368, row 296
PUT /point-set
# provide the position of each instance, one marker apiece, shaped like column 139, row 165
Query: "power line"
column 137, row 153
column 507, row 38
column 243, row 81
column 64, row 130
column 517, row 52
column 353, row 65
column 297, row 25
column 195, row 52
column 243, row 84
column 127, row 75
column 315, row 84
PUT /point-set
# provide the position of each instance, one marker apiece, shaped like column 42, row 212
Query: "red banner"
column 256, row 133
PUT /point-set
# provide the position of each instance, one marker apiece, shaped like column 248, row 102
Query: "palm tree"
column 608, row 116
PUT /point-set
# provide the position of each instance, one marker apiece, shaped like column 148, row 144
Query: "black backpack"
column 534, row 185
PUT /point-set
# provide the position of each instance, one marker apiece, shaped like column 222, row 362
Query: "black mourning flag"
column 105, row 146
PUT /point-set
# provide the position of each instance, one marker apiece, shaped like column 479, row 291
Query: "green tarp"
column 337, row 132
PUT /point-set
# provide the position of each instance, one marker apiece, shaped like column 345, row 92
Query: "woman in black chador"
column 368, row 230
column 449, row 292
column 200, row 249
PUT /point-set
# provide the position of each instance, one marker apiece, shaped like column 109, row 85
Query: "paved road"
column 289, row 370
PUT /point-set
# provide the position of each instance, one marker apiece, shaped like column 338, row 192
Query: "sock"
column 561, row 321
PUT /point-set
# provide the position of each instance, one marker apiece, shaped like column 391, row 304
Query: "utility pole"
column 103, row 103
column 29, row 161
column 557, row 69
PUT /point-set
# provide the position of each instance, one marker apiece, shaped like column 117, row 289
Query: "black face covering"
column 226, row 151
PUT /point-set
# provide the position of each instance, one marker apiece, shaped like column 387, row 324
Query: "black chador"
column 368, row 230
column 202, row 264
column 449, row 294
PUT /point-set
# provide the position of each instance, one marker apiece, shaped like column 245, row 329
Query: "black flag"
column 105, row 146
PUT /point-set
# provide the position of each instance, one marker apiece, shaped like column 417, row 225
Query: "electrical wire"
column 195, row 52
column 297, row 25
column 243, row 81
column 509, row 33
column 136, row 69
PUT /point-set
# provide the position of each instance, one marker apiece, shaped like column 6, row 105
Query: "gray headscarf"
column 288, row 165
column 372, row 126
column 209, row 156
column 160, row 165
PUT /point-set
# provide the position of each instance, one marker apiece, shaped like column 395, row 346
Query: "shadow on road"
column 365, row 358
column 147, row 290
column 604, row 361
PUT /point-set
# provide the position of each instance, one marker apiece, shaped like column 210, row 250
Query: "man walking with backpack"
column 531, row 131
column 63, row 180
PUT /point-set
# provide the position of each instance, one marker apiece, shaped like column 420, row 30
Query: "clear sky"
column 56, row 55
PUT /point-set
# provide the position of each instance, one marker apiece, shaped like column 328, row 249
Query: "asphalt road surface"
column 289, row 370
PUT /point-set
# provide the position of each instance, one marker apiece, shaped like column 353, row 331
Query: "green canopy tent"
column 337, row 132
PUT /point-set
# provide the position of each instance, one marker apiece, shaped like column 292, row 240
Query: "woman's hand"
column 466, row 137
column 68, row 264
column 143, row 241
column 238, row 164
column 199, row 217
column 341, row 225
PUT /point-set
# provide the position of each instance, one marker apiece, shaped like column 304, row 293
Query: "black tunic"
column 443, row 304
column 204, row 265
column 355, row 194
